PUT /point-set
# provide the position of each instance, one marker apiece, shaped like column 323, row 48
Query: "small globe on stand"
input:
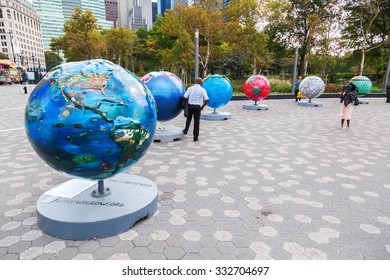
column 364, row 86
column 256, row 88
column 93, row 120
column 220, row 91
column 168, row 91
column 311, row 87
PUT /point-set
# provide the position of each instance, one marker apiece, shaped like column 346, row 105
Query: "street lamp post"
column 196, row 53
column 32, row 56
column 12, row 45
column 295, row 70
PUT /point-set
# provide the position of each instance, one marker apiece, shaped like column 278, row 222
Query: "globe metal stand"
column 215, row 116
column 168, row 134
column 85, row 213
column 256, row 107
column 101, row 191
column 309, row 103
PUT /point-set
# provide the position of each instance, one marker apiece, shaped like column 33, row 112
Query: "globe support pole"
column 101, row 191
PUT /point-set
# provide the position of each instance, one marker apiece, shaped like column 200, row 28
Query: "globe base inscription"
column 168, row 134
column 84, row 216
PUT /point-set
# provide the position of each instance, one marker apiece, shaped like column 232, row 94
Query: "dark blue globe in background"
column 168, row 91
column 219, row 89
column 90, row 119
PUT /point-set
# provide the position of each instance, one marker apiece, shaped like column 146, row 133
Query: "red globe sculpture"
column 257, row 87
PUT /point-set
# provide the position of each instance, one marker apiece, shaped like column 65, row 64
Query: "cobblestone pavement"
column 285, row 183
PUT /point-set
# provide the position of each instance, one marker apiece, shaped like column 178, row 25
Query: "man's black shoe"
column 185, row 132
column 196, row 139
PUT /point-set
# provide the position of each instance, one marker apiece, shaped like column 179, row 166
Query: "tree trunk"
column 362, row 61
column 301, row 64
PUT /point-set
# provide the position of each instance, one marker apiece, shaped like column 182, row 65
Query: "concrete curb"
column 290, row 96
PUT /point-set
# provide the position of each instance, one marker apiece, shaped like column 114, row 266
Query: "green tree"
column 82, row 39
column 242, row 35
column 119, row 45
column 181, row 55
column 367, row 27
column 3, row 56
column 52, row 59
column 206, row 17
column 298, row 23
column 146, row 58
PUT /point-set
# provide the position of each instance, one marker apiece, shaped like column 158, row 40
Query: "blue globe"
column 219, row 89
column 90, row 119
column 168, row 90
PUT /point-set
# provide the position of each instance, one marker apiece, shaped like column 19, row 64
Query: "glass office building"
column 54, row 13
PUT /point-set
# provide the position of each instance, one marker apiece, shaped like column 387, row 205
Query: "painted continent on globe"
column 90, row 119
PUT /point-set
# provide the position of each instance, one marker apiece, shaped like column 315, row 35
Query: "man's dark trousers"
column 195, row 111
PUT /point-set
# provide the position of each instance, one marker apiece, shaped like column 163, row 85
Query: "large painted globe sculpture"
column 257, row 87
column 168, row 91
column 90, row 119
column 312, row 87
column 363, row 84
column 219, row 90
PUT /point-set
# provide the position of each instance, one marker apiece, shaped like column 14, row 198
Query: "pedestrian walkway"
column 281, row 184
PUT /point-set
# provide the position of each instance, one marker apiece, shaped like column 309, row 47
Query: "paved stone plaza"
column 281, row 184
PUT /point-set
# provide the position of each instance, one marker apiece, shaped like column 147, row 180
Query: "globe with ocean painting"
column 219, row 89
column 90, row 119
column 168, row 91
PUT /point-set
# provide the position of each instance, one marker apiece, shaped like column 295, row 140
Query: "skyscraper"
column 164, row 4
column 135, row 14
column 21, row 35
column 112, row 11
column 154, row 12
column 54, row 13
column 52, row 19
column 186, row 2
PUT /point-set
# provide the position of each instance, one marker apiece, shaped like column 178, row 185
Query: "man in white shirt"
column 197, row 99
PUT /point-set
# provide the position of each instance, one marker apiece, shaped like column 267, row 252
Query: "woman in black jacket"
column 347, row 100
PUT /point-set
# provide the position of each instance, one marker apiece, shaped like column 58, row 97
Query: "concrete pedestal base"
column 309, row 104
column 255, row 107
column 215, row 116
column 85, row 216
column 363, row 101
column 168, row 134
